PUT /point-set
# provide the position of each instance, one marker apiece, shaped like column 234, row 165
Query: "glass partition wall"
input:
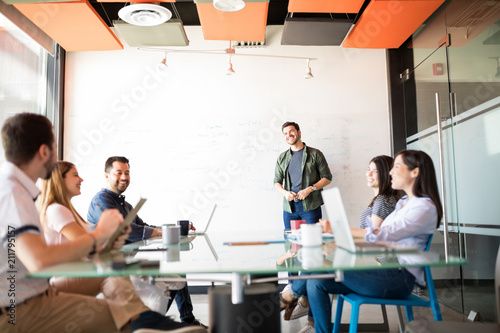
column 28, row 76
column 451, row 102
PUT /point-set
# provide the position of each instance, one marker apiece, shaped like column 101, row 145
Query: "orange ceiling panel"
column 324, row 6
column 74, row 25
column 137, row 1
column 248, row 24
column 386, row 24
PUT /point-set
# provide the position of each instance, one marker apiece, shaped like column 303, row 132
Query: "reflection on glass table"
column 209, row 254
column 254, row 255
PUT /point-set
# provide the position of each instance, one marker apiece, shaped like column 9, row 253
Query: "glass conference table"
column 246, row 256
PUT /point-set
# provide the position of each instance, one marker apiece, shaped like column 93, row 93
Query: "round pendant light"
column 145, row 14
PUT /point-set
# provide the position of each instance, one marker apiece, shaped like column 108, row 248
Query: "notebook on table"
column 342, row 231
column 124, row 225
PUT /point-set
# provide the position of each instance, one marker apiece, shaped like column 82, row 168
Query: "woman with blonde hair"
column 62, row 223
column 54, row 204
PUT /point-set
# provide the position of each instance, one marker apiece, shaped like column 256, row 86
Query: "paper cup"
column 171, row 234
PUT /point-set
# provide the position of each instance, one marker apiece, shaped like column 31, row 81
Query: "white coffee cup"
column 311, row 235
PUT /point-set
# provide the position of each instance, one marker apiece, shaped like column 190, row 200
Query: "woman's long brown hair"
column 54, row 191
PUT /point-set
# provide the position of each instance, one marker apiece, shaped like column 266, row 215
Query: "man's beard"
column 118, row 187
column 297, row 138
column 49, row 165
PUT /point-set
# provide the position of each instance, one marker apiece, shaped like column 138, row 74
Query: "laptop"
column 199, row 233
column 342, row 230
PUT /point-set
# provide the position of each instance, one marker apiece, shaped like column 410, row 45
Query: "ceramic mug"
column 295, row 225
column 185, row 226
column 311, row 235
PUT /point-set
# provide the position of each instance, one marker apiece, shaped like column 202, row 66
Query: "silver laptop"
column 342, row 230
column 206, row 226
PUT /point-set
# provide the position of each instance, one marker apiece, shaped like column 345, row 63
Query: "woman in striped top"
column 385, row 197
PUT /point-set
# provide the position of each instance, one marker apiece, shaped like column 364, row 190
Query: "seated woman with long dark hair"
column 414, row 220
column 381, row 205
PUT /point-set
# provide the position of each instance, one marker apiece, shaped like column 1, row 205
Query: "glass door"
column 427, row 94
column 459, row 77
column 474, row 76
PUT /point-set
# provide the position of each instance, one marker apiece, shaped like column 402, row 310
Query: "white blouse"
column 411, row 224
column 58, row 217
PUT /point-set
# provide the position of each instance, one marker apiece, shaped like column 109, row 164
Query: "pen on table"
column 157, row 249
column 252, row 243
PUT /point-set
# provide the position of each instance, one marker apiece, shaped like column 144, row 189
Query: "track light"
column 162, row 66
column 229, row 52
column 229, row 5
column 230, row 70
column 308, row 71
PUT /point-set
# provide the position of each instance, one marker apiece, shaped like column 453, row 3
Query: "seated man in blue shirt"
column 117, row 171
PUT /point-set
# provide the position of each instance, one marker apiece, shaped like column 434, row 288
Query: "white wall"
column 195, row 135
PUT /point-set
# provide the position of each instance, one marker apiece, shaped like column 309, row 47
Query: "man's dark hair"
column 290, row 123
column 109, row 162
column 23, row 134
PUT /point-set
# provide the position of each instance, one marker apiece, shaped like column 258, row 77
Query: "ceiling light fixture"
column 162, row 66
column 230, row 70
column 308, row 71
column 145, row 14
column 229, row 5
column 231, row 52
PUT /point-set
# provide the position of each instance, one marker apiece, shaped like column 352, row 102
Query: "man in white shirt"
column 31, row 305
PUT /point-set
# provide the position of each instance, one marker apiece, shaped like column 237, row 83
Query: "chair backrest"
column 433, row 299
column 427, row 247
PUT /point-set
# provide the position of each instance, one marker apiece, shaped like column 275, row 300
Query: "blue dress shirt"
column 106, row 199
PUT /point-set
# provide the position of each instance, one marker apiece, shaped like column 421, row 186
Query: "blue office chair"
column 412, row 300
column 424, row 326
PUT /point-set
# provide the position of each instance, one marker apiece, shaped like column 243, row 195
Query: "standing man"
column 32, row 305
column 117, row 172
column 301, row 172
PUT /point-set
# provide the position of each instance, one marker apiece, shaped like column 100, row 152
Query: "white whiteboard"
column 199, row 137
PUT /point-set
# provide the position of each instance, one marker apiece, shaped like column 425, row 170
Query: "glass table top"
column 243, row 253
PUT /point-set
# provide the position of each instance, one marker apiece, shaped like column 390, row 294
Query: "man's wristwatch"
column 314, row 188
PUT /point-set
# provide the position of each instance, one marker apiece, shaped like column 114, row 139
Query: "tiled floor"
column 369, row 314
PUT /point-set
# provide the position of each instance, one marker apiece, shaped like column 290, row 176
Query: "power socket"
column 473, row 316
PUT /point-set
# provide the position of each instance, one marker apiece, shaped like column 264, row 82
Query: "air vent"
column 314, row 31
column 476, row 12
column 144, row 14
column 247, row 44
